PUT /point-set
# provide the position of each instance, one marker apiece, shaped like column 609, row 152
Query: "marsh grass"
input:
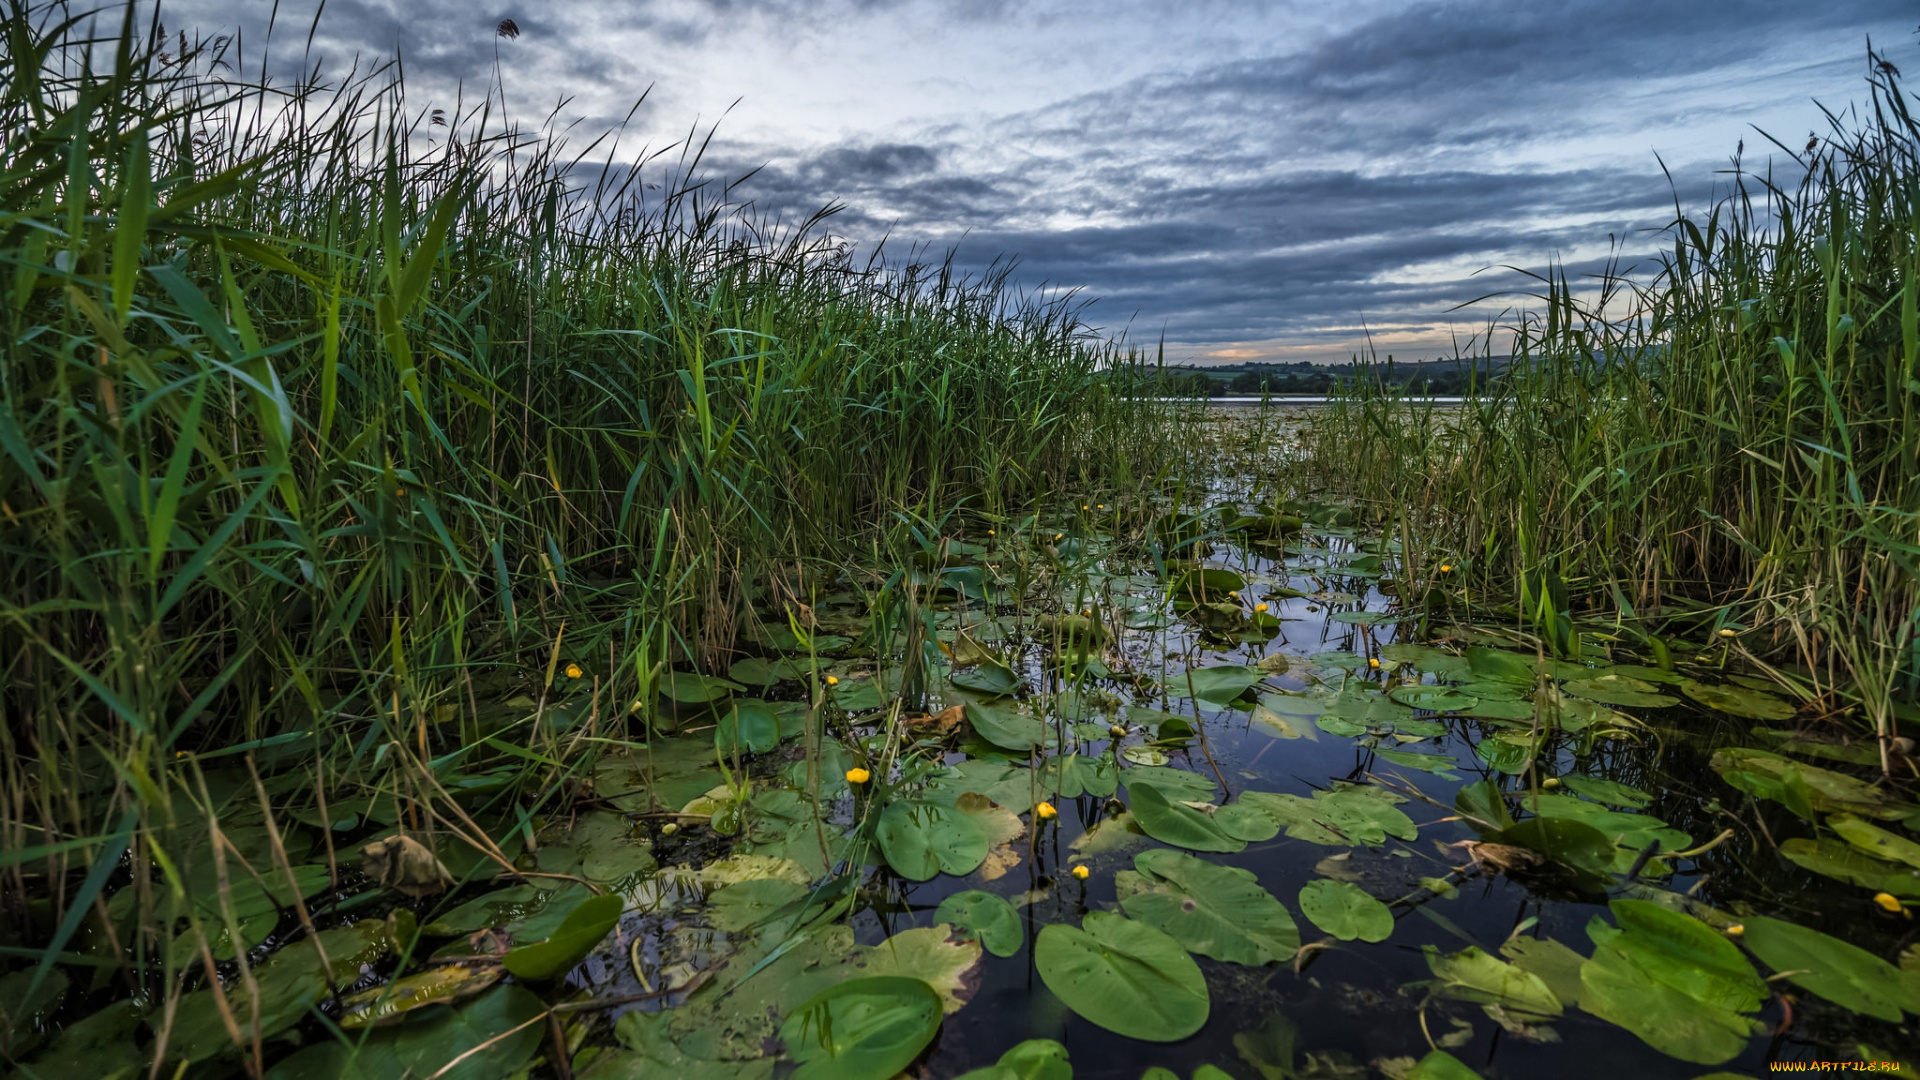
column 1730, row 444
column 331, row 420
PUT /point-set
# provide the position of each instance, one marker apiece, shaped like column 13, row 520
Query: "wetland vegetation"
column 468, row 614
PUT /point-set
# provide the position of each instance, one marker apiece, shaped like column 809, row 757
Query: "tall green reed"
column 329, row 415
column 1730, row 445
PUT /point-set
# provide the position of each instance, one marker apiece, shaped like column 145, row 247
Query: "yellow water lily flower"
column 1259, row 607
column 574, row 672
column 858, row 776
column 1890, row 902
column 1446, row 568
column 990, row 532
column 1372, row 663
column 1057, row 537
column 1736, row 930
column 1551, row 781
column 1045, row 811
column 833, row 680
column 1082, row 873
column 1117, row 731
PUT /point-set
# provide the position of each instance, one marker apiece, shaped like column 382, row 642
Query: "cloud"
column 1242, row 177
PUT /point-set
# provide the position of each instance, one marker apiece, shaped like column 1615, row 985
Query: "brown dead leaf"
column 943, row 724
column 402, row 863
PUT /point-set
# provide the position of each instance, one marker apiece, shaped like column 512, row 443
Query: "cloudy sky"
column 1248, row 179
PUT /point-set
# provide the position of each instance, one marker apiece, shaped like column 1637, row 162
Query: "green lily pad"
column 100, row 1045
column 1440, row 1065
column 1072, row 775
column 989, row 677
column 1433, row 698
column 1564, row 840
column 747, row 727
column 1438, row 764
column 1346, row 911
column 1035, row 1059
column 1219, row 684
column 1008, row 727
column 691, row 688
column 1619, row 690
column 1172, row 822
column 1206, row 585
column 923, row 839
column 1805, row 788
column 1426, row 658
column 1738, row 700
column 747, row 904
column 572, row 940
column 1473, row 975
column 1124, row 976
column 862, row 1029
column 1509, row 752
column 1482, row 803
column 1498, row 665
column 1875, row 841
column 985, row 916
column 1607, row 791
column 1618, row 991
column 1844, row 862
column 472, row 1034
column 1681, row 952
column 1844, row 974
column 1216, row 911
column 1175, row 783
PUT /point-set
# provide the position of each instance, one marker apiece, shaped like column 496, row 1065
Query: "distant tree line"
column 1441, row 378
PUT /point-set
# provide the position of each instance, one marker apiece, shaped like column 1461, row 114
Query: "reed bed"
column 1722, row 454
column 331, row 419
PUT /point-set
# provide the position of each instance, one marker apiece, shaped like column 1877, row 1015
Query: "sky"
column 1245, row 181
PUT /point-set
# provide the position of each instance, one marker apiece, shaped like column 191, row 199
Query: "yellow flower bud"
column 1446, row 568
column 833, row 680
column 1117, row 731
column 1259, row 607
column 669, row 829
column 1082, row 873
column 574, row 672
column 1736, row 930
column 1372, row 663
column 1045, row 811
column 1890, row 902
column 858, row 776
column 1728, row 631
column 1057, row 537
column 1551, row 781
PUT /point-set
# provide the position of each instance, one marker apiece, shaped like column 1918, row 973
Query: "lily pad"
column 572, row 940
column 1008, row 727
column 1035, row 1059
column 1438, row 764
column 690, row 688
column 1805, row 788
column 1216, row 911
column 1618, row 991
column 1190, row 786
column 1473, row 975
column 923, row 839
column 1738, row 700
column 1844, row 862
column 985, row 916
column 490, row 1037
column 1124, row 976
column 1681, row 952
column 862, row 1029
column 1875, row 841
column 1207, row 585
column 1173, row 822
column 1619, row 690
column 1218, row 684
column 1346, row 911
column 991, row 677
column 1607, row 791
column 1433, row 698
column 1844, row 974
column 1571, row 843
column 747, row 727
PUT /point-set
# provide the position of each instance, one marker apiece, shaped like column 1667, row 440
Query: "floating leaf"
column 1216, row 911
column 1439, row 1065
column 1844, row 974
column 648, row 1050
column 1510, row 753
column 689, row 688
column 1429, row 659
column 922, row 839
column 858, row 695
column 1145, row 755
column 1618, row 991
column 1035, row 1059
column 1683, row 953
column 1875, row 841
column 1008, row 727
column 1071, row 775
column 1484, row 806
column 1564, row 840
column 935, row 956
column 1173, row 822
column 1124, row 976
column 493, row 1036
column 1497, row 665
column 1180, row 783
column 992, row 677
column 1844, row 862
column 1218, row 684
column 1619, row 690
column 985, row 916
column 572, row 940
column 748, row 904
column 1346, row 911
column 1607, row 791
column 862, row 1029
column 1738, row 700
column 1551, row 962
column 1438, row 764
column 1207, row 585
column 748, row 726
column 1433, row 698
column 1770, row 776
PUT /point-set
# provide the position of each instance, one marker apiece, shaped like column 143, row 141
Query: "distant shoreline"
column 1239, row 401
